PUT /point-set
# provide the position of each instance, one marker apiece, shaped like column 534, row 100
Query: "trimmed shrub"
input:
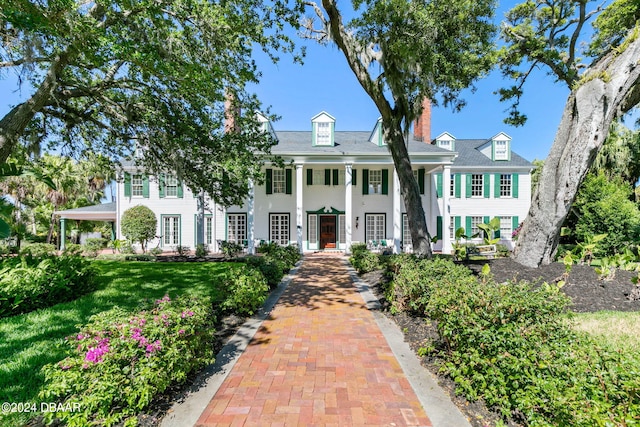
column 119, row 363
column 29, row 283
column 94, row 245
column 363, row 260
column 139, row 224
column 230, row 249
column 38, row 250
column 271, row 270
column 245, row 289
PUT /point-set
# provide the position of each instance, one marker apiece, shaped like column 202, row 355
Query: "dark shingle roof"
column 469, row 155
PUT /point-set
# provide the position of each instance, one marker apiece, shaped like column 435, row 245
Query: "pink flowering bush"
column 120, row 362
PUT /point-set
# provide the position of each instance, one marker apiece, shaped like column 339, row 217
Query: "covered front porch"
column 104, row 212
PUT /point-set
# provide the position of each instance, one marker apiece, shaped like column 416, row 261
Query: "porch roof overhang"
column 102, row 212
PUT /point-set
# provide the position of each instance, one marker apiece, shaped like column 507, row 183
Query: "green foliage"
column 38, row 250
column 182, row 250
column 230, row 249
column 602, row 206
column 246, row 289
column 28, row 283
column 139, row 224
column 613, row 24
column 140, row 257
column 489, row 231
column 512, row 345
column 94, row 245
column 119, row 363
column 363, row 260
column 201, row 250
column 272, row 270
column 412, row 286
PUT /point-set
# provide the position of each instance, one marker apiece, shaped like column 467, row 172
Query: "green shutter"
column 269, row 183
column 496, row 185
column 180, row 191
column 486, row 182
column 385, row 181
column 335, row 176
column 467, row 186
column 309, row 176
column 327, row 177
column 145, row 186
column 457, row 184
column 127, row 184
column 439, row 227
column 365, row 181
column 161, row 184
column 438, row 185
column 514, row 185
column 515, row 222
column 421, row 180
column 486, row 219
column 467, row 226
column 354, row 177
column 287, row 181
column 457, row 223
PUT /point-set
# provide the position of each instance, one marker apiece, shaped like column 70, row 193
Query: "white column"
column 348, row 205
column 250, row 214
column 397, row 213
column 446, row 210
column 299, row 200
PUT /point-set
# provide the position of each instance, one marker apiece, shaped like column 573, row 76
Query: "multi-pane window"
column 279, row 181
column 500, row 150
column 323, row 134
column 505, row 227
column 170, row 230
column 342, row 230
column 375, row 227
column 136, row 185
column 171, row 186
column 375, row 181
column 452, row 228
column 313, row 229
column 406, row 233
column 208, row 230
column 505, row 185
column 318, row 177
column 237, row 228
column 476, row 184
column 452, row 183
column 279, row 228
column 475, row 220
column 446, row 144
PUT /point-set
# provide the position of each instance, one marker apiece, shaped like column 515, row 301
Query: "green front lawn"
column 32, row 340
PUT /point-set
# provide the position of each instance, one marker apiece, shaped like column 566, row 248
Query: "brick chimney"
column 422, row 125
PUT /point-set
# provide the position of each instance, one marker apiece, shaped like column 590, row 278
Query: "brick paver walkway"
column 319, row 359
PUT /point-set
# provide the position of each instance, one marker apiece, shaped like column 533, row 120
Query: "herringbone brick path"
column 319, row 359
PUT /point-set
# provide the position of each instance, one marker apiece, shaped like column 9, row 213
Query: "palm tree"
column 620, row 154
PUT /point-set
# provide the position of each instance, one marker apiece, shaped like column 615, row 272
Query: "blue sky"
column 325, row 83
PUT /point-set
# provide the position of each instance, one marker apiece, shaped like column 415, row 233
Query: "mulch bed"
column 587, row 291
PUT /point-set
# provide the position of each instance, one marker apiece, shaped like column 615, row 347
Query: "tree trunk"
column 420, row 237
column 15, row 121
column 613, row 89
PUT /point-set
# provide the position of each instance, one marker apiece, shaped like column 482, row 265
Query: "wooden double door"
column 328, row 225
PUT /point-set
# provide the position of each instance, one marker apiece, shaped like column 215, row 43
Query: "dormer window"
column 446, row 141
column 323, row 130
column 377, row 135
column 499, row 147
column 500, row 150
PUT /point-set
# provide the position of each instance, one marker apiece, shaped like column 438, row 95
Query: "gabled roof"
column 102, row 212
column 322, row 114
column 469, row 155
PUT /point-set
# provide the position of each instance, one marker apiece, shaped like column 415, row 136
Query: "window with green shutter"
column 354, row 177
column 514, row 185
column 439, row 185
column 487, row 186
column 127, row 184
column 288, row 173
column 385, row 181
column 421, row 180
column 309, row 176
column 365, row 181
column 269, row 181
column 336, row 176
column 439, row 227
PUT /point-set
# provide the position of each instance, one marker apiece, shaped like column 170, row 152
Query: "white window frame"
column 475, row 220
column 506, row 185
column 406, row 233
column 280, row 228
column 170, row 186
column 318, row 177
column 137, row 184
column 323, row 133
column 279, row 181
column 375, row 227
column 444, row 143
column 237, row 227
column 500, row 150
column 477, row 185
column 375, row 181
column 452, row 185
column 312, row 222
column 342, row 229
column 208, row 230
column 170, row 230
column 506, row 227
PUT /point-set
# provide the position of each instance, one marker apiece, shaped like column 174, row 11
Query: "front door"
column 327, row 231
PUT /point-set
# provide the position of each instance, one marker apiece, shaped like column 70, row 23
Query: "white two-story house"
column 342, row 188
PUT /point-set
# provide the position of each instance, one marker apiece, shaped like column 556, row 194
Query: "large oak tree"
column 113, row 75
column 402, row 52
column 548, row 33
